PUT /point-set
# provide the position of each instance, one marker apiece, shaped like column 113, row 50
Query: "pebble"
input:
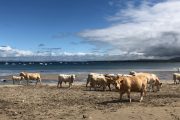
column 85, row 116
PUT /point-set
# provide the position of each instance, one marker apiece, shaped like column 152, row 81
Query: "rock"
column 3, row 80
column 85, row 116
column 15, row 113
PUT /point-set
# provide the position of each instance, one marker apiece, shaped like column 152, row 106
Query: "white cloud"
column 7, row 51
column 148, row 31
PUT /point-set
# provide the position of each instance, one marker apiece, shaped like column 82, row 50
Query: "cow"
column 31, row 76
column 66, row 78
column 128, row 84
column 111, row 79
column 17, row 78
column 176, row 78
column 95, row 80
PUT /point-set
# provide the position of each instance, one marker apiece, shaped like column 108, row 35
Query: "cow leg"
column 109, row 86
column 145, row 92
column 20, row 82
column 36, row 82
column 104, row 86
column 90, row 86
column 121, row 94
column 87, row 82
column 94, row 85
column 60, row 84
column 153, row 87
column 128, row 94
column 141, row 97
column 40, row 81
column 13, row 82
column 149, row 87
column 175, row 81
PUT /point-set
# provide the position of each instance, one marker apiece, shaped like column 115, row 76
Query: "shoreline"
column 81, row 78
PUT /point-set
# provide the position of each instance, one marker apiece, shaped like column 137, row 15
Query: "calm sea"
column 163, row 69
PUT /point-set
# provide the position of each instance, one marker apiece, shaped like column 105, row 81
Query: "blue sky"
column 113, row 29
column 53, row 23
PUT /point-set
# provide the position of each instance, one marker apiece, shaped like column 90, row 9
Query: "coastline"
column 52, row 78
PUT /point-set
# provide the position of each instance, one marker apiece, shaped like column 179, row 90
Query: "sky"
column 89, row 29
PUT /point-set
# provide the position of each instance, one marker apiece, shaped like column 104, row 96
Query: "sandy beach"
column 48, row 102
column 51, row 49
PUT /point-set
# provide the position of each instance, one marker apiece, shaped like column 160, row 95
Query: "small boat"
column 6, row 63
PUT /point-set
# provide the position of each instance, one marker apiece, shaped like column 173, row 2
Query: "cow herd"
column 124, row 83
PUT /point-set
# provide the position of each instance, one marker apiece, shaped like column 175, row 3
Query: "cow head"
column 22, row 74
column 158, row 84
column 119, row 82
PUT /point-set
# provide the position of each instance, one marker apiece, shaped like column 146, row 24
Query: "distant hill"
column 175, row 59
column 26, row 59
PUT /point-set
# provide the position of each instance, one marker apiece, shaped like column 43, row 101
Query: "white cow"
column 17, row 78
column 96, row 79
column 66, row 78
column 176, row 77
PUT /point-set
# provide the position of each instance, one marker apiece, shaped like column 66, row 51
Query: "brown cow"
column 31, row 76
column 128, row 84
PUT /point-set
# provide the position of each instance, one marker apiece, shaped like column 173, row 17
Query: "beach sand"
column 49, row 103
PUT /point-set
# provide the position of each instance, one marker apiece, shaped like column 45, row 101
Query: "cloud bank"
column 7, row 51
column 46, row 54
column 149, row 31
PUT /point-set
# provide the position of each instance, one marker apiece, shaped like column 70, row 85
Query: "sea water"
column 164, row 70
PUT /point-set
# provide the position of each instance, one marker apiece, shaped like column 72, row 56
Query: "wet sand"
column 49, row 103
